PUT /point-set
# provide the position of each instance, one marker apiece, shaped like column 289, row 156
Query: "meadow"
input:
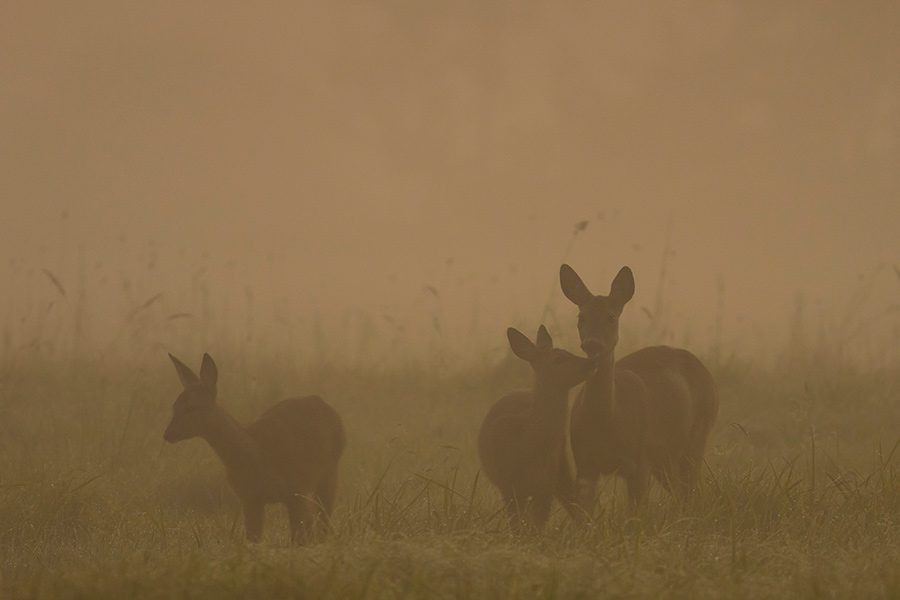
column 800, row 496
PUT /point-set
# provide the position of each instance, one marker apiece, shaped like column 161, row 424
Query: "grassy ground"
column 801, row 497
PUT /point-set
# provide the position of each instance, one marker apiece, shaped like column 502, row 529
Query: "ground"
column 800, row 497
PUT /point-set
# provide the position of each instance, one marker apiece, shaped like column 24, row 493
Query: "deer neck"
column 235, row 447
column 599, row 389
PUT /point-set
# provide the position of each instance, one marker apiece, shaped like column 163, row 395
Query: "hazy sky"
column 337, row 159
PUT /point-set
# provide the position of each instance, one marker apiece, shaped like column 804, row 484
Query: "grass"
column 801, row 496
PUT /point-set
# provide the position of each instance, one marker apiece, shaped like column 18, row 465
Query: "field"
column 800, row 497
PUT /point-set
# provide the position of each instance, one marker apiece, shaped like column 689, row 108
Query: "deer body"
column 289, row 455
column 647, row 415
column 522, row 440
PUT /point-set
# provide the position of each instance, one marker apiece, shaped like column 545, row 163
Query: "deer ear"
column 209, row 374
column 188, row 378
column 622, row 288
column 521, row 345
column 573, row 287
column 544, row 341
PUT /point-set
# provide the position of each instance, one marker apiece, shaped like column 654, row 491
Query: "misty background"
column 366, row 179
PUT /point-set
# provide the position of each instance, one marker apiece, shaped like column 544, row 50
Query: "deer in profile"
column 649, row 414
column 522, row 440
column 289, row 455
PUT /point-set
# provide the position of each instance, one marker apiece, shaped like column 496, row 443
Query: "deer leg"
column 539, row 511
column 253, row 521
column 664, row 477
column 564, row 490
column 688, row 468
column 327, row 490
column 586, row 490
column 637, row 480
column 514, row 512
column 301, row 516
column 523, row 513
column 324, row 501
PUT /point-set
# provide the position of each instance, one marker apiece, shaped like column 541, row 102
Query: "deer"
column 522, row 439
column 289, row 455
column 649, row 414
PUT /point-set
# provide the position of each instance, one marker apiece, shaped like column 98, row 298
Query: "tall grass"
column 93, row 503
column 800, row 496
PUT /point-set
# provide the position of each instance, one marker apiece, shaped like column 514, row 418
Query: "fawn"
column 522, row 440
column 650, row 413
column 289, row 455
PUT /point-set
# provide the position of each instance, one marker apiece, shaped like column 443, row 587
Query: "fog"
column 363, row 171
